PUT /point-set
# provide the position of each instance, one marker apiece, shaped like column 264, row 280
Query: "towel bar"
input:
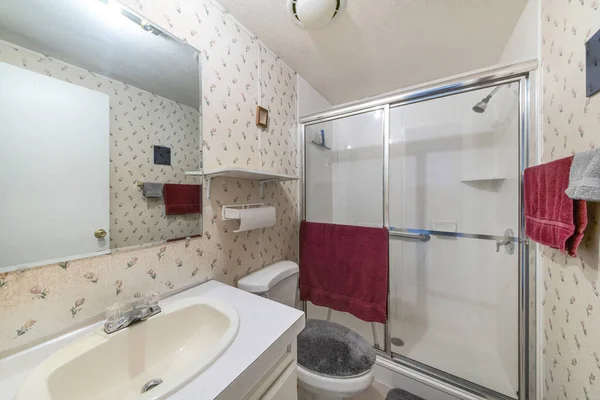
column 413, row 232
column 415, row 236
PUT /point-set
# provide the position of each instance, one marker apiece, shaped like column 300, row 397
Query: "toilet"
column 334, row 362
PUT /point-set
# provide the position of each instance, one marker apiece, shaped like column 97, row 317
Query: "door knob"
column 100, row 233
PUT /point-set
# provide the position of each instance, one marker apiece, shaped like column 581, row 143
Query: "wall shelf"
column 262, row 177
column 193, row 173
column 320, row 145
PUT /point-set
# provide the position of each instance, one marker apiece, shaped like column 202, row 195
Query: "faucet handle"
column 139, row 303
column 114, row 313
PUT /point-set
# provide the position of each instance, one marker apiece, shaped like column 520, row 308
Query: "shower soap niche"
column 444, row 226
column 483, row 178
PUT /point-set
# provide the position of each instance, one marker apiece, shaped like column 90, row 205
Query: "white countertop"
column 262, row 322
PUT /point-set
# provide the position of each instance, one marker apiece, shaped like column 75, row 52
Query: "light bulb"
column 109, row 11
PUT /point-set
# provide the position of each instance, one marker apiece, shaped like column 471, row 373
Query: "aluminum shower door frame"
column 491, row 77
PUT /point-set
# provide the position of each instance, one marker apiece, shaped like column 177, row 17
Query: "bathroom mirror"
column 100, row 123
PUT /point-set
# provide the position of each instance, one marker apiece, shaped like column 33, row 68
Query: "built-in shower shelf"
column 483, row 178
column 250, row 174
column 320, row 145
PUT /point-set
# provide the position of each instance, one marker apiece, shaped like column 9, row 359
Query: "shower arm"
column 492, row 93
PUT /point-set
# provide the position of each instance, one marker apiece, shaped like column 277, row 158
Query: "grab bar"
column 414, row 232
column 423, row 237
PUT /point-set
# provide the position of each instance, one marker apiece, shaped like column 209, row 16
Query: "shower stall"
column 441, row 167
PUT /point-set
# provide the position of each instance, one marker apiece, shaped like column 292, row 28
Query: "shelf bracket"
column 208, row 181
column 261, row 183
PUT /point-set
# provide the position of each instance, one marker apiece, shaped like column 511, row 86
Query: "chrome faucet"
column 141, row 311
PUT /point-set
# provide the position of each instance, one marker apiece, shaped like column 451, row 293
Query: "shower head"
column 482, row 105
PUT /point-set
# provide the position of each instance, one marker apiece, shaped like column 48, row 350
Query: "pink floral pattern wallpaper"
column 39, row 303
column 570, row 123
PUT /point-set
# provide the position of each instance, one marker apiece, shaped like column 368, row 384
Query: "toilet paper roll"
column 256, row 218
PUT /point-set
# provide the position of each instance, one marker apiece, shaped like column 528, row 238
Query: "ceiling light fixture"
column 313, row 14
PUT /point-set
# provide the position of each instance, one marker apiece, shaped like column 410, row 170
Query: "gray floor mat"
column 399, row 394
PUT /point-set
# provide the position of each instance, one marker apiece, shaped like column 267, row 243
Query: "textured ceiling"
column 381, row 45
column 87, row 34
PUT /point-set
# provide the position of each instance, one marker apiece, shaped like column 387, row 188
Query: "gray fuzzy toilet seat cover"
column 331, row 349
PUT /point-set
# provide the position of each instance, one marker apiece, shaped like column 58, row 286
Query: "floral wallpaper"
column 138, row 121
column 279, row 153
column 39, row 303
column 278, row 95
column 570, row 123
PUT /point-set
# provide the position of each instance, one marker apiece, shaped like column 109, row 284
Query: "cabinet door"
column 54, row 169
column 285, row 387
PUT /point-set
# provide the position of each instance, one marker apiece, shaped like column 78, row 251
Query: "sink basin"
column 174, row 346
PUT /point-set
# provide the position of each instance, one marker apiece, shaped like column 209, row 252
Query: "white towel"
column 584, row 178
column 152, row 189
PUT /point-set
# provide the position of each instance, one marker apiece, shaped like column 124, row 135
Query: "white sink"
column 175, row 346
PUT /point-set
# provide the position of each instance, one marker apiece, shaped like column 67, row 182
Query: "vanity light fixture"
column 146, row 26
column 112, row 11
column 314, row 14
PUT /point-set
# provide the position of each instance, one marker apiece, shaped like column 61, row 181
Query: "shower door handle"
column 508, row 244
column 501, row 243
column 508, row 239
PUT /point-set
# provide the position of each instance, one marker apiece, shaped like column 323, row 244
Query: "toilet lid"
column 333, row 350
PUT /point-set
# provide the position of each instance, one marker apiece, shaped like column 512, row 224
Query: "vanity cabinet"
column 280, row 384
column 259, row 364
column 273, row 376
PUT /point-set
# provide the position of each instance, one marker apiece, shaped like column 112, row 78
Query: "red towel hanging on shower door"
column 345, row 268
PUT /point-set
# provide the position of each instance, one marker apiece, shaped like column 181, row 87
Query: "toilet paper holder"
column 233, row 211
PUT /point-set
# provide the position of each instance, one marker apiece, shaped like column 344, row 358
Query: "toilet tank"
column 277, row 282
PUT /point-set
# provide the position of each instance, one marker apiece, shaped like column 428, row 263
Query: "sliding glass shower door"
column 441, row 168
column 454, row 195
column 344, row 185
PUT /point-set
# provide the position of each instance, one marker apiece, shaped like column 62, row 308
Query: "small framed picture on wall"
column 262, row 117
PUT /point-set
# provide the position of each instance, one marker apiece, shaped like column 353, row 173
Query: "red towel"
column 551, row 217
column 345, row 268
column 182, row 199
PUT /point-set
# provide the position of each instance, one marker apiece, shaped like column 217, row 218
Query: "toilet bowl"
column 330, row 388
column 334, row 362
